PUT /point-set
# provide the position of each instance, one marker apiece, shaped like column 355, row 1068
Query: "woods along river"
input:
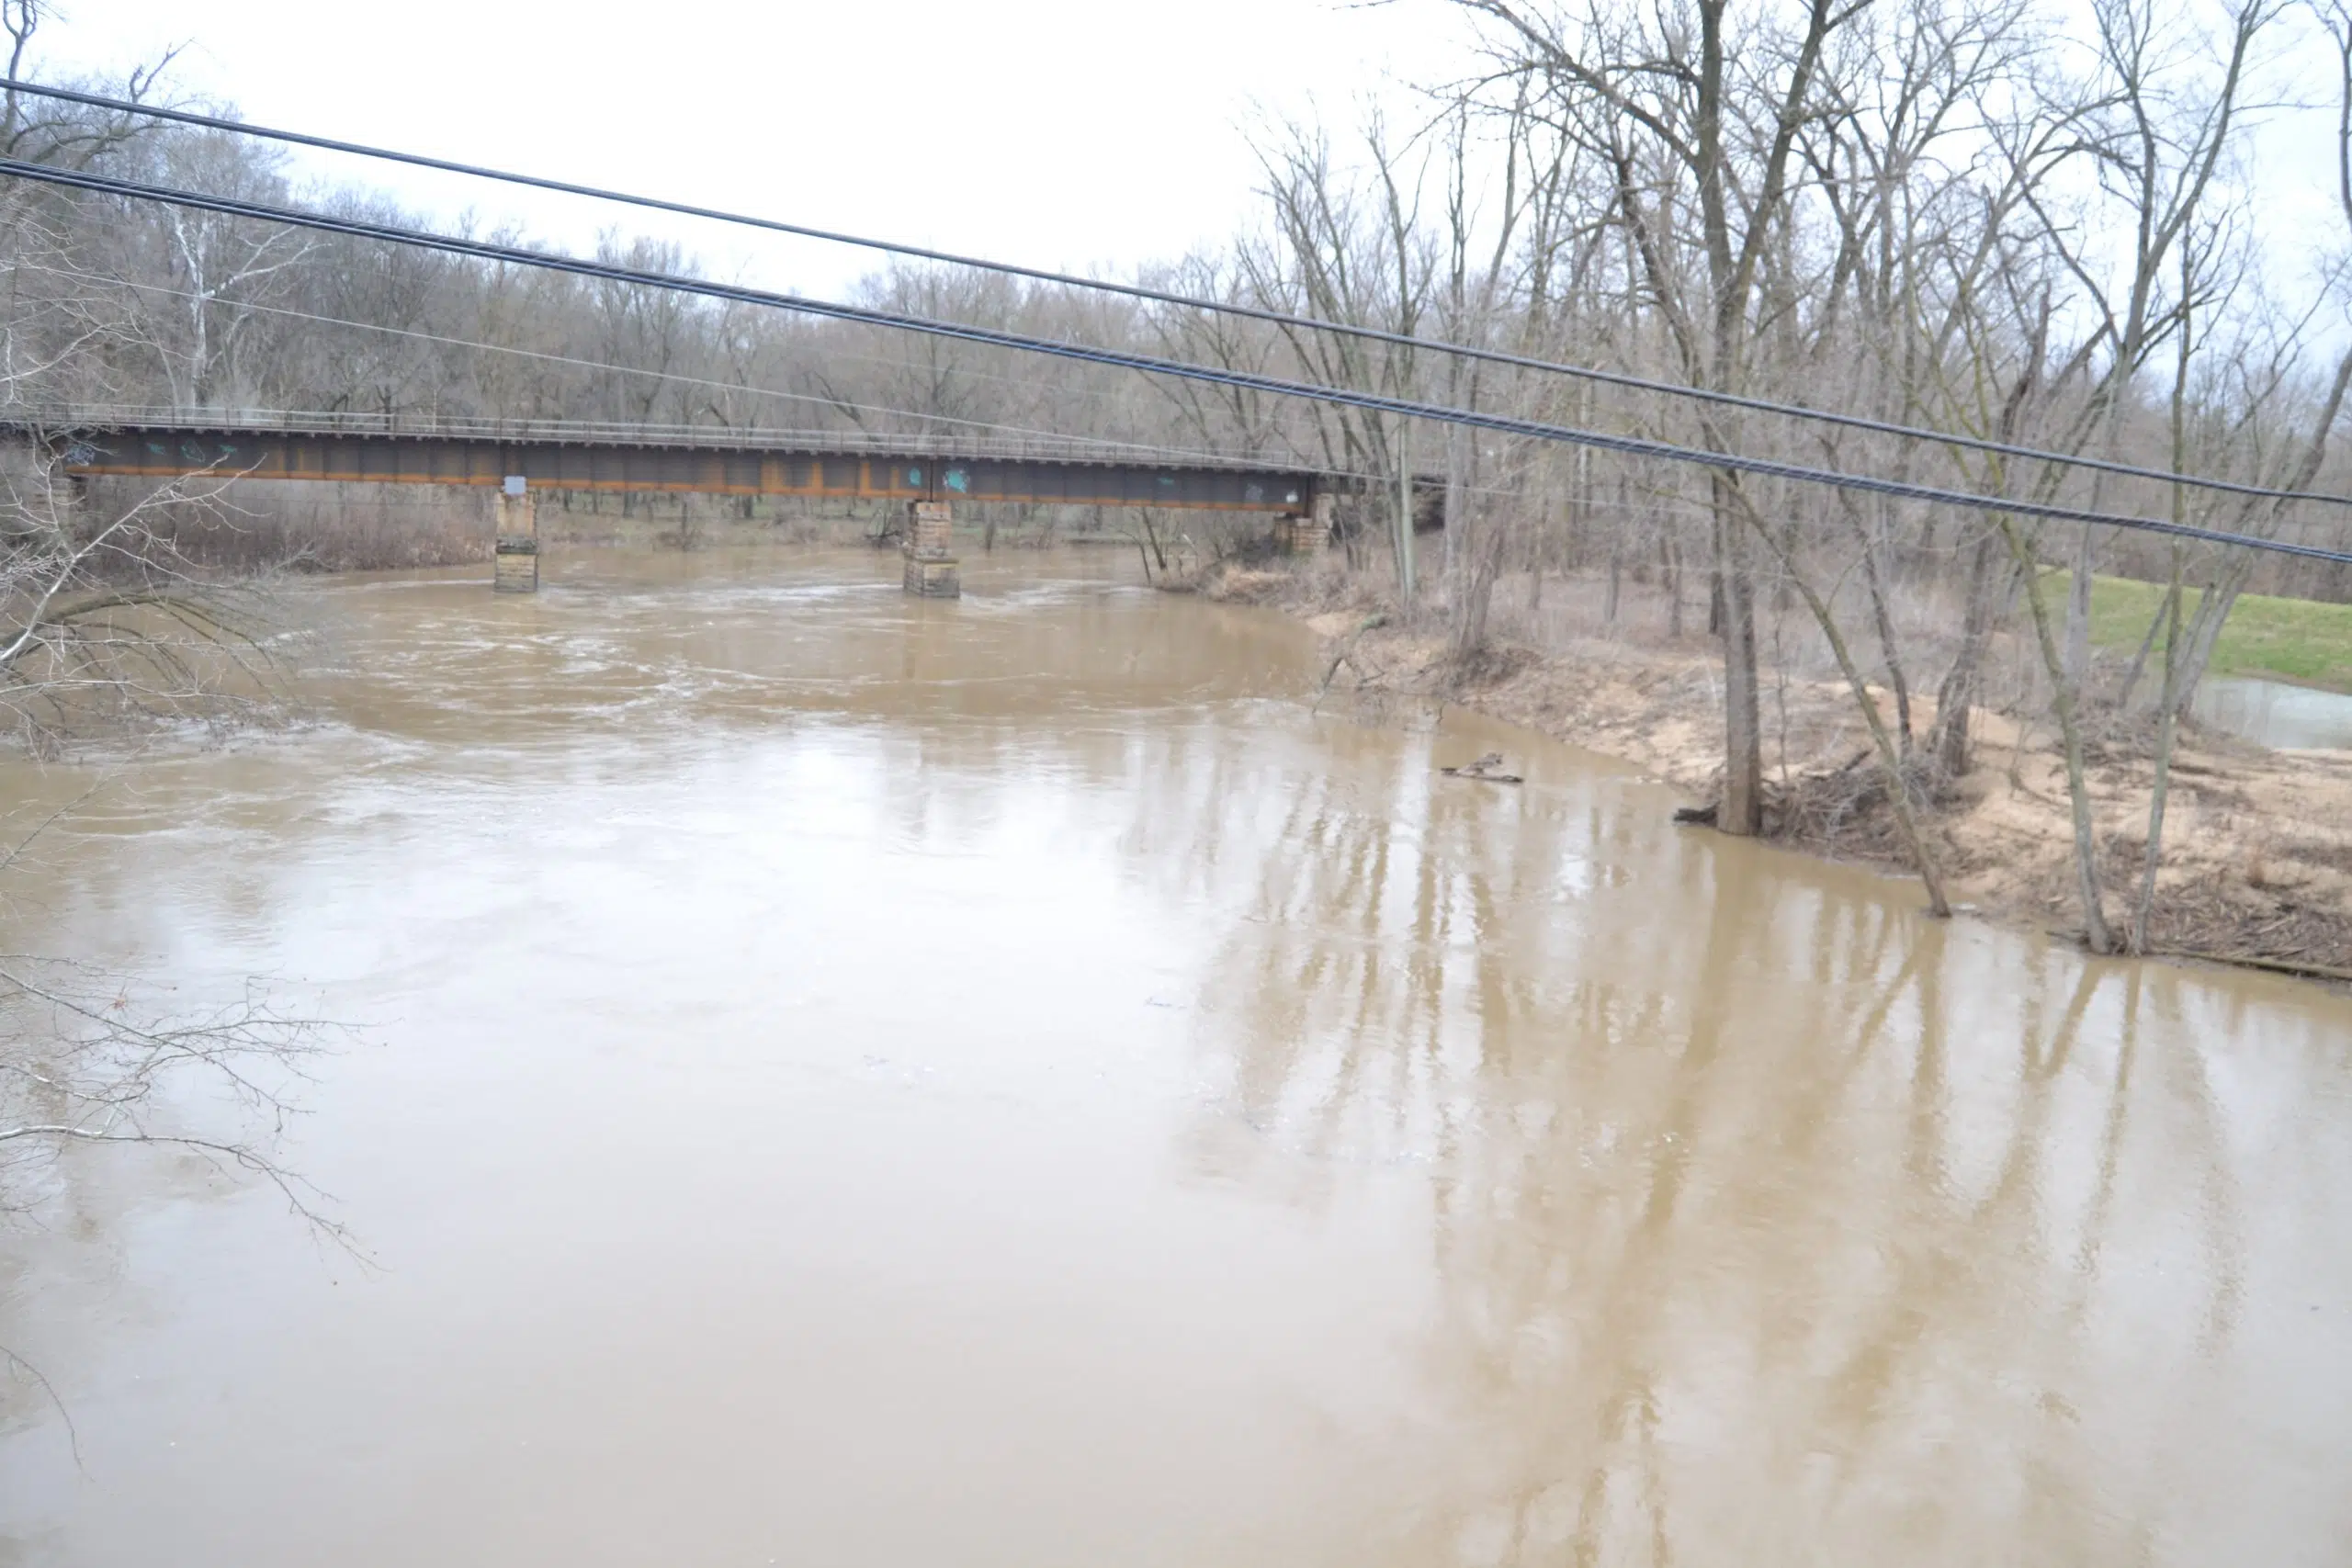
column 841, row 1080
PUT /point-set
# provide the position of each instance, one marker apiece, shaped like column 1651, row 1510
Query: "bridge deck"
column 550, row 456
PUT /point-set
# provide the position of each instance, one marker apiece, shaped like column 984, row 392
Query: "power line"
column 1166, row 297
column 1629, row 446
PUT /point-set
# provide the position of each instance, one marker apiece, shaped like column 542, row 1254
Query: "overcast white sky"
column 1074, row 134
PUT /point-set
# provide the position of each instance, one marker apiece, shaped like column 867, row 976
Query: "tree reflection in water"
column 1503, row 1176
column 1768, row 1216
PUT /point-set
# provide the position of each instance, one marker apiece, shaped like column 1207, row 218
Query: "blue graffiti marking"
column 958, row 480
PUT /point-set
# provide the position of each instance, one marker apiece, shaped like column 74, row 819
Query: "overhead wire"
column 1630, row 445
column 1681, row 511
column 1677, row 510
column 1167, row 296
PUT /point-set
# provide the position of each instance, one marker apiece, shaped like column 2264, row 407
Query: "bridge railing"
column 66, row 418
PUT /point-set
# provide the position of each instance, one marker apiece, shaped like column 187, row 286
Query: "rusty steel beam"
column 606, row 463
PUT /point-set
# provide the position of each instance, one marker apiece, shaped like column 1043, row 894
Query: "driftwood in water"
column 1488, row 767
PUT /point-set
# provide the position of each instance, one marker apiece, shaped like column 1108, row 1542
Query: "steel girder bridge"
column 517, row 458
column 714, row 460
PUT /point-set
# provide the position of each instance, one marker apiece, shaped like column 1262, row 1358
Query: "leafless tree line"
column 1973, row 219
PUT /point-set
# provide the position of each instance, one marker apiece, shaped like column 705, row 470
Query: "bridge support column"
column 1304, row 533
column 931, row 557
column 516, row 555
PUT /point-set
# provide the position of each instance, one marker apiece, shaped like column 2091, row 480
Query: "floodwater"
column 2273, row 713
column 846, row 1080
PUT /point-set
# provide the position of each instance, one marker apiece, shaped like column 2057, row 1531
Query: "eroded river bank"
column 2257, row 852
column 848, row 1079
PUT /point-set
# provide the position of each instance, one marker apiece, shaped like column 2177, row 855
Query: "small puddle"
column 2271, row 712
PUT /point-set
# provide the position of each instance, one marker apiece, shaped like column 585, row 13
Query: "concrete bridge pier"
column 931, row 556
column 516, row 555
column 1304, row 533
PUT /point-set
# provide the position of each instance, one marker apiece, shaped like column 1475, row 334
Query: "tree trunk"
column 1890, row 762
column 1742, row 811
column 1883, row 619
column 2162, row 789
column 1671, row 565
column 1956, row 698
column 1475, row 545
column 2062, row 702
column 2164, row 609
column 2204, row 634
column 1403, row 537
column 2079, row 616
column 1457, row 523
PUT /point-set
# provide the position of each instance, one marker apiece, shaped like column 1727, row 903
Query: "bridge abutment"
column 516, row 552
column 931, row 552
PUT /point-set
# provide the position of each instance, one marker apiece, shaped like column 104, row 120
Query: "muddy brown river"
column 846, row 1080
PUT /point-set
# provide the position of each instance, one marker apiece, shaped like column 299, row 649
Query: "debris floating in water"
column 1488, row 767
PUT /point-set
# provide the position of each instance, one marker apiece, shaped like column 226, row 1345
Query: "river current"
column 841, row 1080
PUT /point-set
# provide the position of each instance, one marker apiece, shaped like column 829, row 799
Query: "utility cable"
column 1686, row 511
column 1166, row 297
column 1376, row 403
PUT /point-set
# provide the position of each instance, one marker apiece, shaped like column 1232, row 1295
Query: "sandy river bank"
column 2257, row 847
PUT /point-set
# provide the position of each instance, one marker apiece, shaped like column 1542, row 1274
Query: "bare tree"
column 1693, row 112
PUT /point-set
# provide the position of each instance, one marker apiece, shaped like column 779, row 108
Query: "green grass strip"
column 2291, row 639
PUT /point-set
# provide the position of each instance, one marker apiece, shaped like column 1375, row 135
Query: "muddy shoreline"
column 2258, row 851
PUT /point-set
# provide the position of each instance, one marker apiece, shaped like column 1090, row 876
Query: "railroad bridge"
column 515, row 460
